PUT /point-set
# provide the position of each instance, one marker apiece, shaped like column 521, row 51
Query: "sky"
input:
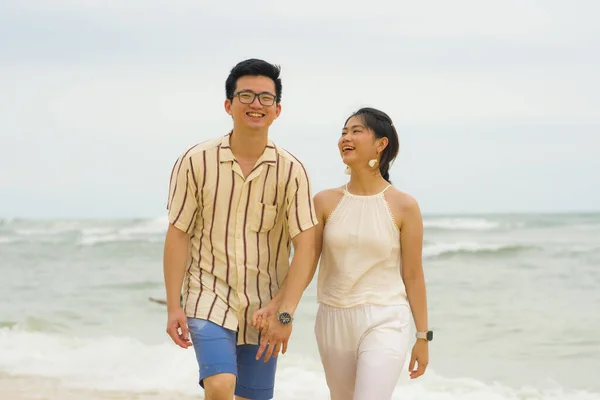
column 497, row 103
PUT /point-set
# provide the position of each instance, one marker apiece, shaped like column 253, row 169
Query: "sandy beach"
column 39, row 388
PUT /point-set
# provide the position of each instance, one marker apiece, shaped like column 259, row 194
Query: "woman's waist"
column 389, row 293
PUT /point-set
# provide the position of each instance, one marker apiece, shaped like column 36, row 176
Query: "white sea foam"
column 86, row 232
column 475, row 224
column 117, row 238
column 57, row 229
column 438, row 249
column 9, row 239
column 150, row 227
column 149, row 230
column 126, row 364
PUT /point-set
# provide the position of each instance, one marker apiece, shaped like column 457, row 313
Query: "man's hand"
column 275, row 335
column 420, row 355
column 261, row 316
column 177, row 328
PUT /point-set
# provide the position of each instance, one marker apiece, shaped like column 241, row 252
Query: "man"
column 235, row 204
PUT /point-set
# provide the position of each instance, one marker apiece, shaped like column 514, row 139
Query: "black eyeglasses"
column 248, row 96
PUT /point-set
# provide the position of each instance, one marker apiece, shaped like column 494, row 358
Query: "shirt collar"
column 268, row 156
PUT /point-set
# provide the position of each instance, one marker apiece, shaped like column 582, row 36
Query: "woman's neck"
column 366, row 182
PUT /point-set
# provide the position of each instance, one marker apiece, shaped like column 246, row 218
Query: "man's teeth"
column 257, row 115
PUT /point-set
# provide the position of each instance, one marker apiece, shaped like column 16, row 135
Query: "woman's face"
column 357, row 145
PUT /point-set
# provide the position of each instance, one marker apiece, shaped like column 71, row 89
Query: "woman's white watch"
column 425, row 335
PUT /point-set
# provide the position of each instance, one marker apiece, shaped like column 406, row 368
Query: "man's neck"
column 248, row 145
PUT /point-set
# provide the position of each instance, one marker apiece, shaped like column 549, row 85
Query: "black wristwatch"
column 284, row 318
column 425, row 335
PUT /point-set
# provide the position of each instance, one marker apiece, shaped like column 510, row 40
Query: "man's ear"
column 278, row 110
column 227, row 106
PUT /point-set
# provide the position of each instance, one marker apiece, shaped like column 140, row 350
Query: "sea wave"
column 472, row 224
column 145, row 231
column 9, row 240
column 36, row 324
column 471, row 248
column 152, row 227
column 126, row 364
column 95, row 240
column 84, row 233
column 582, row 222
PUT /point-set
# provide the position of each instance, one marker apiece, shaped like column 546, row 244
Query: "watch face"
column 285, row 318
column 430, row 335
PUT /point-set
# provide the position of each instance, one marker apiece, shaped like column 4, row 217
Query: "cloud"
column 424, row 18
column 169, row 27
column 99, row 97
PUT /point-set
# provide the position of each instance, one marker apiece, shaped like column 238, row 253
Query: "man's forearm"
column 417, row 298
column 299, row 276
column 279, row 294
column 174, row 259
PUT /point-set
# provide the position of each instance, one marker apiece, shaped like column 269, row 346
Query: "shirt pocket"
column 263, row 218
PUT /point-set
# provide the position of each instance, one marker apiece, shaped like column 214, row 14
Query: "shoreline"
column 30, row 387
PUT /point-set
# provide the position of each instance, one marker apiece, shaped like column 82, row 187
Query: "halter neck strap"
column 367, row 195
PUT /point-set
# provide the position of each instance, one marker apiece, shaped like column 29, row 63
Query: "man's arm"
column 301, row 271
column 277, row 300
column 174, row 259
column 290, row 294
column 307, row 251
column 183, row 208
column 302, row 220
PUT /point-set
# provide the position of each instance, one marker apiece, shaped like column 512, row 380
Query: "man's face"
column 254, row 115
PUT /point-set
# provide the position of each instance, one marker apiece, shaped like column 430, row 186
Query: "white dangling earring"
column 372, row 162
column 348, row 171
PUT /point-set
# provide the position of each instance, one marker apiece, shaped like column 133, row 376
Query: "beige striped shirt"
column 240, row 229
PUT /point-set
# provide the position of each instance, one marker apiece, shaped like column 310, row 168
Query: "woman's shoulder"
column 401, row 203
column 326, row 200
column 399, row 198
column 329, row 195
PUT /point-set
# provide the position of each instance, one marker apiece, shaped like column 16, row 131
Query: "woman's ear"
column 383, row 142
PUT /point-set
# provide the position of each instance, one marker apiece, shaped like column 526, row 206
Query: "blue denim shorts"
column 217, row 352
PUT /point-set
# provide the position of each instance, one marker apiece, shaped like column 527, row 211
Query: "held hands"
column 274, row 334
column 420, row 355
column 177, row 328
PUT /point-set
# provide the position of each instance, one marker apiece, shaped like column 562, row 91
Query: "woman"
column 370, row 275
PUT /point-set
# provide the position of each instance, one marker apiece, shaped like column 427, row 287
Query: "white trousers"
column 363, row 349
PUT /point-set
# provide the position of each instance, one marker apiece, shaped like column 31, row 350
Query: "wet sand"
column 39, row 388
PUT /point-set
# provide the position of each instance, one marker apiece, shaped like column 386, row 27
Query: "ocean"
column 514, row 301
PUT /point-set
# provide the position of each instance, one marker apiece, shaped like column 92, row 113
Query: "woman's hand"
column 420, row 355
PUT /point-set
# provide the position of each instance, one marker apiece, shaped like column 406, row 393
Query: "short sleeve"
column 183, row 195
column 301, row 208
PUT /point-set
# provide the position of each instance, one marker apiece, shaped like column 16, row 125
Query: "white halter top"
column 361, row 255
